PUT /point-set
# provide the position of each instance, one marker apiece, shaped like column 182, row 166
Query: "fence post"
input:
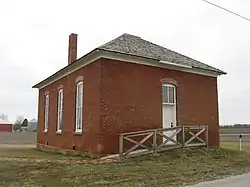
column 207, row 135
column 155, row 141
column 183, row 137
column 120, row 147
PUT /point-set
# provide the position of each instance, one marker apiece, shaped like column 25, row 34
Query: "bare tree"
column 19, row 120
column 18, row 123
column 17, row 127
column 4, row 117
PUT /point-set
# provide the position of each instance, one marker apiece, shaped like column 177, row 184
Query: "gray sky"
column 34, row 42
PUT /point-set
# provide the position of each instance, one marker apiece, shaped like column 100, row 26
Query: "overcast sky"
column 34, row 42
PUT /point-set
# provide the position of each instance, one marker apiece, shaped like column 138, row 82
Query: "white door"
column 168, row 109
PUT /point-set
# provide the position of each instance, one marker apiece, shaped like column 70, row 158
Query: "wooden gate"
column 151, row 141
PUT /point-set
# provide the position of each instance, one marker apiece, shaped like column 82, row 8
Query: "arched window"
column 79, row 106
column 59, row 109
column 168, row 94
column 46, row 113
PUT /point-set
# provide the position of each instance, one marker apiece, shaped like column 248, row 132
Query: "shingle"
column 135, row 45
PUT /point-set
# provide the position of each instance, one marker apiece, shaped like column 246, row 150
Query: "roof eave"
column 100, row 52
column 218, row 73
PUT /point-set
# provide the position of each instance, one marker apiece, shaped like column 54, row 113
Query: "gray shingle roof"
column 134, row 45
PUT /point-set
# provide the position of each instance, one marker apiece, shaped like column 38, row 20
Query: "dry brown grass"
column 173, row 168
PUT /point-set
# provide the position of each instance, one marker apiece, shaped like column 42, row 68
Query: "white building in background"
column 32, row 125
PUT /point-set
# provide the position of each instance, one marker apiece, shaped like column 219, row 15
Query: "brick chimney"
column 72, row 53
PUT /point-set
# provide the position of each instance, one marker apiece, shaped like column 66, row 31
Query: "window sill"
column 58, row 132
column 78, row 133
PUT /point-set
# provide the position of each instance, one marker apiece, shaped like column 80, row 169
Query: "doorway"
column 168, row 109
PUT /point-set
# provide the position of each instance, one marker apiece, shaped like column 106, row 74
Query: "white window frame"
column 59, row 110
column 46, row 113
column 79, row 107
column 168, row 94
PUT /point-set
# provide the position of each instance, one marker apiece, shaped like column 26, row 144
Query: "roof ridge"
column 124, row 34
column 130, row 35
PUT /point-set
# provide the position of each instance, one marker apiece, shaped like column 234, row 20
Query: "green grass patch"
column 245, row 146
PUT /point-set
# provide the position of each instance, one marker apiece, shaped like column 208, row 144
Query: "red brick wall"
column 89, row 140
column 132, row 100
column 122, row 97
column 5, row 127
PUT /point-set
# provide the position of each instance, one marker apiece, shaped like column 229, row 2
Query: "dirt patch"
column 16, row 146
column 69, row 161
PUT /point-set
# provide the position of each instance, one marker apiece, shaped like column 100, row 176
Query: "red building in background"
column 5, row 126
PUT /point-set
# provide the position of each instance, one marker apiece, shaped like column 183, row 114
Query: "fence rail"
column 158, row 140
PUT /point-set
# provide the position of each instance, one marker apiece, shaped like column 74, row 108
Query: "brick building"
column 127, row 84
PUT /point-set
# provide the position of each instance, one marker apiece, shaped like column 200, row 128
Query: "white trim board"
column 97, row 54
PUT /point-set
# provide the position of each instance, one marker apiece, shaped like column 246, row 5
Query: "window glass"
column 171, row 94
column 79, row 103
column 168, row 94
column 46, row 115
column 164, row 94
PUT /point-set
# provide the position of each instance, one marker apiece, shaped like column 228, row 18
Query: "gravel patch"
column 234, row 181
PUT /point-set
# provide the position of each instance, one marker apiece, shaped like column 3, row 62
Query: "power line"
column 227, row 10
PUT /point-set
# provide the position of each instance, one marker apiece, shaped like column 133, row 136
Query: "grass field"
column 235, row 146
column 235, row 130
column 31, row 167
